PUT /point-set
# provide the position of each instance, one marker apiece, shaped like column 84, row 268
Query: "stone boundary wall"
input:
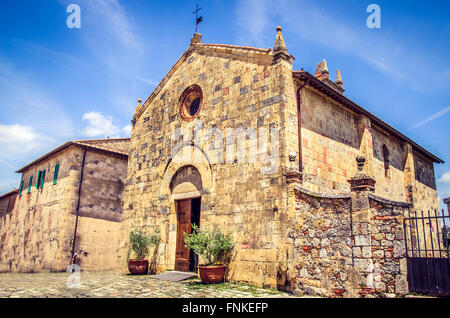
column 348, row 245
column 322, row 240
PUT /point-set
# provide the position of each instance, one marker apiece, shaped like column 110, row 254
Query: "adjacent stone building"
column 7, row 202
column 69, row 207
column 234, row 138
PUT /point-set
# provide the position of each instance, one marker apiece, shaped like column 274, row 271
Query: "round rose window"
column 191, row 103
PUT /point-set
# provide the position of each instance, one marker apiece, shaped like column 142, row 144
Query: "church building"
column 234, row 138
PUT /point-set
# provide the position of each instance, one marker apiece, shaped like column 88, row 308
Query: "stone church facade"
column 311, row 185
column 313, row 188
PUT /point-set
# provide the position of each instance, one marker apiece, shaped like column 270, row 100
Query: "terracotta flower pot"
column 138, row 267
column 212, row 274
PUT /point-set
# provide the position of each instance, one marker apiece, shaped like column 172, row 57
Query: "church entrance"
column 188, row 213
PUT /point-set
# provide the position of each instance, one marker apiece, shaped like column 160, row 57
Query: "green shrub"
column 212, row 246
column 141, row 242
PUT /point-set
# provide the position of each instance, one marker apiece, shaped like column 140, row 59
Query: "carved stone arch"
column 186, row 183
column 198, row 160
column 183, row 180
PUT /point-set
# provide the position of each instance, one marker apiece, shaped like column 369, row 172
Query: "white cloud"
column 102, row 126
column 7, row 164
column 253, row 16
column 8, row 185
column 58, row 58
column 26, row 102
column 307, row 20
column 114, row 18
column 99, row 126
column 445, row 178
column 431, row 118
column 111, row 36
column 127, row 130
column 148, row 81
column 18, row 140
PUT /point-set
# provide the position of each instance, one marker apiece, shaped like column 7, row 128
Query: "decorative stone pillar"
column 409, row 173
column 366, row 147
column 196, row 39
column 447, row 201
column 362, row 184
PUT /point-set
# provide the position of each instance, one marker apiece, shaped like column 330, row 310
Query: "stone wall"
column 38, row 234
column 242, row 90
column 348, row 246
column 100, row 232
column 322, row 240
column 392, row 184
column 7, row 203
column 387, row 243
column 332, row 138
column 330, row 143
column 250, row 89
column 424, row 185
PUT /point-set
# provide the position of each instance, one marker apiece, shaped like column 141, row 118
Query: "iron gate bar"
column 440, row 251
column 438, row 236
column 406, row 244
column 417, row 229
column 432, row 247
column 445, row 230
column 426, row 250
column 429, row 259
column 417, row 233
column 446, row 240
column 418, row 246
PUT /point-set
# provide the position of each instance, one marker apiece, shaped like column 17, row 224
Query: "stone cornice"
column 389, row 202
column 321, row 195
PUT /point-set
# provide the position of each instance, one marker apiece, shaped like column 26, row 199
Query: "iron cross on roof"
column 198, row 19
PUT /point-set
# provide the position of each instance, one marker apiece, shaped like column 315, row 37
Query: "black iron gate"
column 427, row 243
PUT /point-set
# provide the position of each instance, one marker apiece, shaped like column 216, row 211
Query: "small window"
column 190, row 103
column 42, row 179
column 38, row 179
column 30, row 184
column 55, row 175
column 386, row 161
column 21, row 187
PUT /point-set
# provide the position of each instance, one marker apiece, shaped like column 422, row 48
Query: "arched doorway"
column 185, row 187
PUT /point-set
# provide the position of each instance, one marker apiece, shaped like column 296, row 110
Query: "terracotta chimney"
column 339, row 81
column 319, row 70
column 322, row 71
column 325, row 73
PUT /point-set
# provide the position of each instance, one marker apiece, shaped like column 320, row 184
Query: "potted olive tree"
column 213, row 247
column 140, row 244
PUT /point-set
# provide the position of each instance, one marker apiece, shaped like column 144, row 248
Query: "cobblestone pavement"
column 110, row 285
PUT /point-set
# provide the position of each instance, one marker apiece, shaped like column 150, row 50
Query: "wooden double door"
column 188, row 213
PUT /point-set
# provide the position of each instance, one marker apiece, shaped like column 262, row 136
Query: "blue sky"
column 59, row 84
